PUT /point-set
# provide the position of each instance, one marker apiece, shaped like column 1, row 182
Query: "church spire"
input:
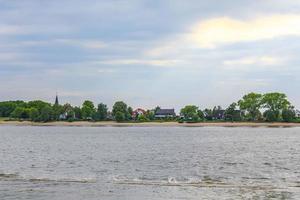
column 56, row 100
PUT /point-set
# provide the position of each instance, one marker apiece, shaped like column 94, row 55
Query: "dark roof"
column 165, row 112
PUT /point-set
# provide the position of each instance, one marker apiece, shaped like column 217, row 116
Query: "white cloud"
column 258, row 60
column 225, row 30
column 215, row 32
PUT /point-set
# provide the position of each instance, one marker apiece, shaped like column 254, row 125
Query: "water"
column 134, row 163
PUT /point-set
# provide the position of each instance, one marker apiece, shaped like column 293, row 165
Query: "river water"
column 138, row 163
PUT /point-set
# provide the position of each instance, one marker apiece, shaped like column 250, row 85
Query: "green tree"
column 156, row 109
column 288, row 115
column 229, row 112
column 34, row 114
column 101, row 113
column 77, row 112
column 88, row 110
column 275, row 102
column 46, row 114
column 119, row 116
column 251, row 104
column 208, row 113
column 190, row 113
column 38, row 104
column 20, row 113
column 69, row 111
column 271, row 116
column 201, row 115
column 7, row 107
column 57, row 111
column 129, row 113
column 150, row 115
column 120, row 111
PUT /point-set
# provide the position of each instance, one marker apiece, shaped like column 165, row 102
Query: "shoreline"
column 150, row 124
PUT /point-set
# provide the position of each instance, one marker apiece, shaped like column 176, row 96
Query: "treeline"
column 270, row 107
column 40, row 111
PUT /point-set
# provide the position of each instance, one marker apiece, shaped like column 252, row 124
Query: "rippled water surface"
column 119, row 163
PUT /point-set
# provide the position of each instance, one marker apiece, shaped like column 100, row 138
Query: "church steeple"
column 56, row 100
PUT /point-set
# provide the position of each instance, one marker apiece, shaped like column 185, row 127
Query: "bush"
column 142, row 118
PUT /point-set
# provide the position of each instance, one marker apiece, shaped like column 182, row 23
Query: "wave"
column 171, row 181
column 18, row 177
column 190, row 182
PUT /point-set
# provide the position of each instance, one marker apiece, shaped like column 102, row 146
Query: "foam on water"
column 29, row 178
column 188, row 182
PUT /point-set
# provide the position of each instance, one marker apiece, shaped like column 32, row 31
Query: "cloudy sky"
column 147, row 53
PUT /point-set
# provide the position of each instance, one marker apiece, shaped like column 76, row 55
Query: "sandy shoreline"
column 151, row 124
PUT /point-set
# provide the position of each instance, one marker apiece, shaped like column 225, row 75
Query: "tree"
column 87, row 110
column 156, row 109
column 129, row 113
column 251, row 103
column 46, row 114
column 38, row 104
column 201, row 114
column 232, row 114
column 20, row 113
column 190, row 113
column 271, row 116
column 34, row 114
column 229, row 112
column 275, row 102
column 120, row 111
column 119, row 116
column 7, row 107
column 57, row 111
column 77, row 112
column 68, row 110
column 150, row 115
column 288, row 115
column 208, row 113
column 101, row 113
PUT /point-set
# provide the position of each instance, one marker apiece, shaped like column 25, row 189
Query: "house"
column 63, row 116
column 138, row 112
column 67, row 115
column 165, row 113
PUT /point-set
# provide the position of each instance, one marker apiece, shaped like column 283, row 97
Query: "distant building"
column 56, row 100
column 138, row 112
column 165, row 113
column 63, row 116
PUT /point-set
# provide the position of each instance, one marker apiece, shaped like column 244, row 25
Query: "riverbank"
column 150, row 124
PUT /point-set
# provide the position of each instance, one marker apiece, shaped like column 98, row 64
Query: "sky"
column 169, row 53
